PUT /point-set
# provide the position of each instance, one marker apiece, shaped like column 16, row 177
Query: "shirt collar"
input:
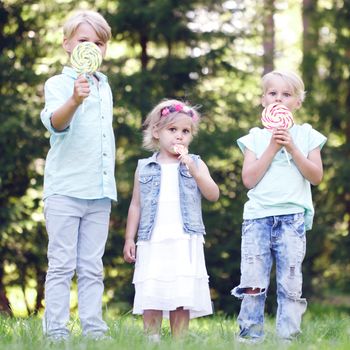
column 153, row 158
column 73, row 74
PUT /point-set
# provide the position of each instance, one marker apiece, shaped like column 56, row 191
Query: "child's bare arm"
column 132, row 224
column 205, row 182
column 311, row 167
column 254, row 169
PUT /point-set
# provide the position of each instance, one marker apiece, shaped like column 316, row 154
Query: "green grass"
column 323, row 329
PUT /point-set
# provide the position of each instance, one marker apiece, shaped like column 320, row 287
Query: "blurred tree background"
column 212, row 53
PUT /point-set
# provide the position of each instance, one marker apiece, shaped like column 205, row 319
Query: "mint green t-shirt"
column 283, row 189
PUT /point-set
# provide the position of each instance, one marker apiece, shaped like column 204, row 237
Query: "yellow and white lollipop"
column 276, row 116
column 86, row 58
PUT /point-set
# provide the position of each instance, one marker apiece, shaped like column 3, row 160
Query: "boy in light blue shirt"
column 79, row 183
column 278, row 168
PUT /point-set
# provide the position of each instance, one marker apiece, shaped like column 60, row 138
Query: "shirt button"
column 104, row 135
column 105, row 172
column 105, row 154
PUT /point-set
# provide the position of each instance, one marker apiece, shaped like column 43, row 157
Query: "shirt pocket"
column 145, row 184
column 188, row 180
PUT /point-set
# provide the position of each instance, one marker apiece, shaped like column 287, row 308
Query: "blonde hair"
column 157, row 120
column 94, row 19
column 291, row 78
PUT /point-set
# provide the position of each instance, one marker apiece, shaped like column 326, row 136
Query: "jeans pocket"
column 247, row 226
column 297, row 224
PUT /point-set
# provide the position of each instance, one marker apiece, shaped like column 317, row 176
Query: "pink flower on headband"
column 164, row 112
column 178, row 108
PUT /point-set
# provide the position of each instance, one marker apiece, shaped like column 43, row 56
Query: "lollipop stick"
column 285, row 151
column 83, row 104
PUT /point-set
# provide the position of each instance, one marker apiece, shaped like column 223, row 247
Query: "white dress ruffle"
column 170, row 269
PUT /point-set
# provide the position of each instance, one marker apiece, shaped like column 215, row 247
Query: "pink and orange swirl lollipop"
column 276, row 116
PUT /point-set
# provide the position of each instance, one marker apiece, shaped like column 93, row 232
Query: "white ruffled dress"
column 170, row 269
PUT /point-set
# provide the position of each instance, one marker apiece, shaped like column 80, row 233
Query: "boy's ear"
column 66, row 45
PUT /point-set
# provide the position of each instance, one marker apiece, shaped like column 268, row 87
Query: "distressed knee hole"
column 253, row 291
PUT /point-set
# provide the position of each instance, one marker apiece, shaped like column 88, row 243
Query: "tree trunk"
column 347, row 137
column 269, row 36
column 310, row 42
column 4, row 302
column 144, row 54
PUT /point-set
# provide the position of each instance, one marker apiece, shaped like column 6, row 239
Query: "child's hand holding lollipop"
column 277, row 116
column 181, row 150
column 86, row 58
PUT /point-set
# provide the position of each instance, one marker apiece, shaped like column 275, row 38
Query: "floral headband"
column 165, row 111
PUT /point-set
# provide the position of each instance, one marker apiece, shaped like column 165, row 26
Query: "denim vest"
column 149, row 172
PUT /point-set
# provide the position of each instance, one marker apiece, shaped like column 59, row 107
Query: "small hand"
column 81, row 89
column 182, row 152
column 129, row 251
column 283, row 138
column 189, row 162
column 274, row 144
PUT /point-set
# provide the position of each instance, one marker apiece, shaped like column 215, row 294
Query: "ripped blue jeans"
column 281, row 238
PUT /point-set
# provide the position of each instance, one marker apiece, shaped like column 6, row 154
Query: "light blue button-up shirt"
column 81, row 159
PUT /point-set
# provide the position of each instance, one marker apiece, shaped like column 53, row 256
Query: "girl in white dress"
column 170, row 275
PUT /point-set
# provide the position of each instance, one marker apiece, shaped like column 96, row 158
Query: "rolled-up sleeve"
column 55, row 96
column 247, row 141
